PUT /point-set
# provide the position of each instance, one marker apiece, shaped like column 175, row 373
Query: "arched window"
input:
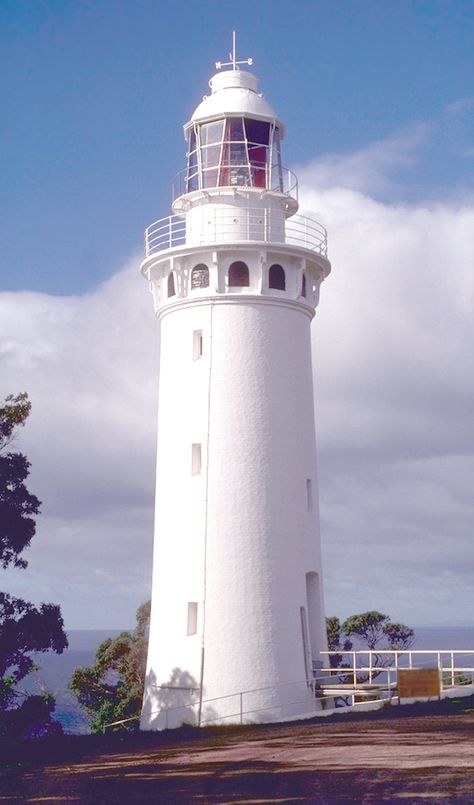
column 200, row 276
column 303, row 286
column 238, row 275
column 276, row 277
column 171, row 288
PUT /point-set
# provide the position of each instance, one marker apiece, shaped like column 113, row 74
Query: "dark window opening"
column 171, row 288
column 303, row 286
column 200, row 276
column 239, row 275
column 276, row 277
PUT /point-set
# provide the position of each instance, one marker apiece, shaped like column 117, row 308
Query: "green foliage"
column 112, row 688
column 371, row 629
column 13, row 413
column 17, row 505
column 376, row 630
column 24, row 628
column 336, row 641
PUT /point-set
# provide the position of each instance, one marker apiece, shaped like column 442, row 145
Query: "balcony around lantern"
column 300, row 231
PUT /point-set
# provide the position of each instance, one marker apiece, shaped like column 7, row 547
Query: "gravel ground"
column 408, row 755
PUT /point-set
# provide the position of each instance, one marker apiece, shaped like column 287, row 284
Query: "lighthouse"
column 237, row 618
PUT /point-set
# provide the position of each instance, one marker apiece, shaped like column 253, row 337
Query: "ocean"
column 56, row 670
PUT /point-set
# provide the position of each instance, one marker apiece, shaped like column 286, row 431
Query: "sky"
column 378, row 98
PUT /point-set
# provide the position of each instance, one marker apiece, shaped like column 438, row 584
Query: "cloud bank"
column 394, row 394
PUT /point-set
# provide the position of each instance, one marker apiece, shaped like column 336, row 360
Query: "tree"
column 17, row 505
column 371, row 629
column 336, row 641
column 376, row 630
column 24, row 628
column 112, row 689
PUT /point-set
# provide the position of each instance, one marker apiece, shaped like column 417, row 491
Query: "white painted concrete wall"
column 239, row 538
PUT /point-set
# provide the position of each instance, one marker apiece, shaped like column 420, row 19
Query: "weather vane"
column 233, row 57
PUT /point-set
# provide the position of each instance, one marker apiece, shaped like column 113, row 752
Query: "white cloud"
column 370, row 169
column 393, row 357
column 89, row 364
column 395, row 393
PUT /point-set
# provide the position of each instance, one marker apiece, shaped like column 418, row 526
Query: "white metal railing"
column 260, row 177
column 359, row 669
column 240, row 705
column 251, row 225
column 330, row 683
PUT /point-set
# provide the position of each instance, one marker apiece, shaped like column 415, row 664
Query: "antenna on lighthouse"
column 233, row 57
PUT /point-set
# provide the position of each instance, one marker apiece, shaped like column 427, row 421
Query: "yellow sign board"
column 418, row 682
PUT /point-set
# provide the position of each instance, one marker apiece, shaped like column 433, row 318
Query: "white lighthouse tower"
column 237, row 619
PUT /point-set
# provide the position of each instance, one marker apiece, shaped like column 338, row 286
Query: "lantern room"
column 234, row 140
column 234, row 152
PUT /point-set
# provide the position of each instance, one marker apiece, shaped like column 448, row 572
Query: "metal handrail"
column 332, row 689
column 299, row 230
column 402, row 658
column 244, row 175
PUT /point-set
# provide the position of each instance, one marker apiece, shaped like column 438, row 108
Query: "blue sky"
column 378, row 99
column 94, row 95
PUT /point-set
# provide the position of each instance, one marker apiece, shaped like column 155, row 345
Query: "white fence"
column 374, row 672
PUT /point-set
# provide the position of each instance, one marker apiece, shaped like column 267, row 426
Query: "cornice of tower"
column 242, row 300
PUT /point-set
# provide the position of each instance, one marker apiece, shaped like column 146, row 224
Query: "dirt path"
column 406, row 759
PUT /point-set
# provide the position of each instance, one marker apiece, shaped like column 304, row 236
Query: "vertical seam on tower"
column 206, row 498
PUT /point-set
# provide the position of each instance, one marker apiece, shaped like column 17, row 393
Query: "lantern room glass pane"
column 258, row 136
column 210, row 133
column 192, row 178
column 258, row 131
column 235, row 129
column 234, row 170
column 276, row 177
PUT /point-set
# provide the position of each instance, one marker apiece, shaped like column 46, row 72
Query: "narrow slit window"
column 303, row 286
column 192, row 618
column 309, row 493
column 196, row 459
column 197, row 345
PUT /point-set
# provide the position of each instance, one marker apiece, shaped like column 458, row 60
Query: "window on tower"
column 171, row 288
column 239, row 275
column 200, row 276
column 196, row 459
column 303, row 285
column 276, row 277
column 192, row 618
column 197, row 344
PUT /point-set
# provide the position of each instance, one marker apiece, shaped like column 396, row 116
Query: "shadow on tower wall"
column 171, row 704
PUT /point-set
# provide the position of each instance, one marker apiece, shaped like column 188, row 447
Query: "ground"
column 408, row 755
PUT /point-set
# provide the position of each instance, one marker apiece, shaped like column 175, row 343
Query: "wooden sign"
column 418, row 682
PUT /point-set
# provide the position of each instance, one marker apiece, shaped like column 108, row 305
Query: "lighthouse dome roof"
column 234, row 92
